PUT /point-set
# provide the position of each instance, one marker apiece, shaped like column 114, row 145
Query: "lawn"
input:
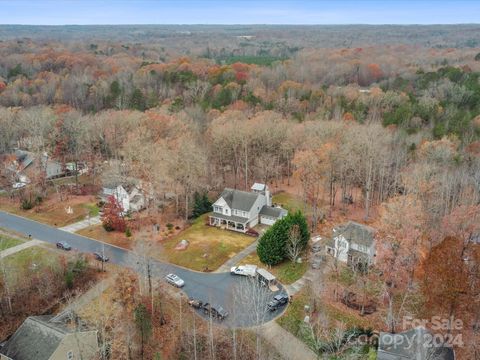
column 54, row 212
column 111, row 237
column 286, row 272
column 291, row 202
column 292, row 319
column 8, row 242
column 22, row 263
column 209, row 246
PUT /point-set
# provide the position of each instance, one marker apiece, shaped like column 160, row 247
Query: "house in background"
column 241, row 210
column 128, row 194
column 50, row 338
column 414, row 344
column 27, row 165
column 353, row 243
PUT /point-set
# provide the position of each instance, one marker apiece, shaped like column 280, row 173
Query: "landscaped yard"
column 54, row 212
column 208, row 246
column 8, row 242
column 286, row 272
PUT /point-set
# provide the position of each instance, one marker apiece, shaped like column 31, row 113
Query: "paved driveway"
column 241, row 297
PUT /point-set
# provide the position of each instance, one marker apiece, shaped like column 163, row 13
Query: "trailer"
column 267, row 279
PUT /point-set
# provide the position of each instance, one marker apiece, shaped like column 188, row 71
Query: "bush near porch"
column 219, row 246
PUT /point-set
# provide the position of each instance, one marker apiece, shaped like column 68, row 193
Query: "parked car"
column 174, row 280
column 100, row 257
column 245, row 270
column 19, row 185
column 278, row 301
column 195, row 303
column 64, row 245
column 215, row 311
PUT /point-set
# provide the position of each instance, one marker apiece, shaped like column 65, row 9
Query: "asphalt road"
column 244, row 300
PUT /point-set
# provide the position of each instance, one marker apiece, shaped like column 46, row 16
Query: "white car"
column 19, row 185
column 245, row 270
column 174, row 280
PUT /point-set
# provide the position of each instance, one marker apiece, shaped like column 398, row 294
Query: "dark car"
column 100, row 257
column 195, row 303
column 64, row 245
column 215, row 311
column 278, row 301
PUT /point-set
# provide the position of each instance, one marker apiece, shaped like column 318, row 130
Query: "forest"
column 381, row 121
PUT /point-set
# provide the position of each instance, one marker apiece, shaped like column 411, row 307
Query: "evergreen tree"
column 271, row 248
column 143, row 321
column 201, row 204
column 137, row 100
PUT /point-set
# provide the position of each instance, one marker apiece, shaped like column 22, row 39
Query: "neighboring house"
column 47, row 338
column 27, row 165
column 414, row 344
column 353, row 243
column 129, row 195
column 241, row 210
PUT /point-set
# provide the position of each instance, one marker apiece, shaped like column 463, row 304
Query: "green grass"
column 292, row 319
column 30, row 261
column 8, row 242
column 285, row 272
column 93, row 209
column 291, row 202
column 219, row 245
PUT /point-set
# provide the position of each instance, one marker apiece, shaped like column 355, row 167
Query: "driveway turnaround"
column 243, row 298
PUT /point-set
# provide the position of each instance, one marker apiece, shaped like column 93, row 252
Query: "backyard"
column 291, row 202
column 209, row 247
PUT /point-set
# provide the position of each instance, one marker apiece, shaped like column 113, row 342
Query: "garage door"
column 266, row 220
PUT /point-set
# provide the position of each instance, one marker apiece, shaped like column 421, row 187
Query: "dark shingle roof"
column 355, row 232
column 35, row 339
column 240, row 200
column 272, row 211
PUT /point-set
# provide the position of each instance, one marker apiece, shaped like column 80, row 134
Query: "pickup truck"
column 245, row 270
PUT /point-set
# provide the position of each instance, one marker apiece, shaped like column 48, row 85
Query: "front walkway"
column 237, row 258
column 285, row 343
column 297, row 285
column 15, row 249
column 81, row 224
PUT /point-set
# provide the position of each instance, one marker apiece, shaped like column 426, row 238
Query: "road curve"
column 239, row 296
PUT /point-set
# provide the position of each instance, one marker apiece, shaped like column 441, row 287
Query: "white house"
column 241, row 210
column 129, row 196
column 353, row 243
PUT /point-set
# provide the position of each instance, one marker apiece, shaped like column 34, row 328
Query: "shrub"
column 128, row 232
column 169, row 226
column 26, row 204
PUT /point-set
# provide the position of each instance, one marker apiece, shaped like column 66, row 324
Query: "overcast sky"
column 59, row 12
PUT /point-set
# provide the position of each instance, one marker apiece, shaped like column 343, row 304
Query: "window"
column 70, row 355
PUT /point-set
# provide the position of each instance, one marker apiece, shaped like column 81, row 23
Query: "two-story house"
column 129, row 196
column 241, row 210
column 353, row 243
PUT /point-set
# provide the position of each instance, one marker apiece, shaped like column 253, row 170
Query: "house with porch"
column 241, row 210
column 353, row 243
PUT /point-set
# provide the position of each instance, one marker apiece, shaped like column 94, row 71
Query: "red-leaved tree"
column 112, row 218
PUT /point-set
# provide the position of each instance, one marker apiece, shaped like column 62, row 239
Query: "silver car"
column 174, row 280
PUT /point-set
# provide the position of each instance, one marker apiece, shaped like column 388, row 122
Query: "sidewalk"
column 237, row 258
column 285, row 343
column 297, row 285
column 81, row 224
column 20, row 247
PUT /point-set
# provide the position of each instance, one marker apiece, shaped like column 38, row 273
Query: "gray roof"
column 35, row 339
column 275, row 212
column 258, row 187
column 240, row 200
column 414, row 344
column 355, row 232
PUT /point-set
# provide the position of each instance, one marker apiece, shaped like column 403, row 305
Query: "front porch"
column 229, row 224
